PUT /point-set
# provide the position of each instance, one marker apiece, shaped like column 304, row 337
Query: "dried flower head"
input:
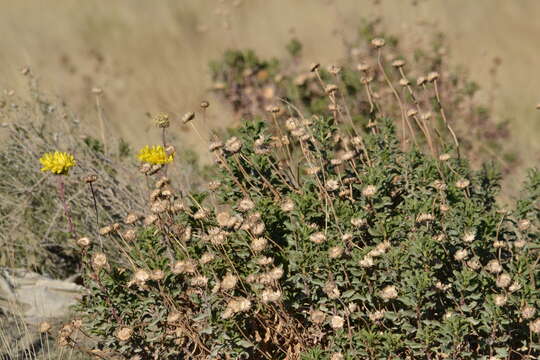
column 461, row 254
column 432, row 76
column 130, row 235
column 157, row 275
column 99, row 260
column 503, row 280
column 469, row 236
column 378, row 42
column 150, row 219
column 332, row 185
column 317, row 238
column 44, row 327
column 89, row 179
column 524, row 224
column 206, row 258
column 337, row 322
column 259, row 244
column 398, row 63
column 269, row 295
column 155, row 155
column 57, row 163
column 335, row 252
column 229, row 281
column 500, row 299
column 233, row 145
column 494, row 266
column 188, row 266
column 84, row 242
column 246, row 205
column 369, row 191
column 377, row 315
column 534, row 326
column 204, row 104
column 124, row 333
column 358, row 222
column 187, row 117
column 132, row 218
column 462, row 183
column 528, row 311
column 162, row 120
column 389, row 292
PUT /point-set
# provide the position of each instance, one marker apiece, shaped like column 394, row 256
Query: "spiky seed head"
column 337, row 322
column 378, row 42
column 162, row 120
column 287, row 205
column 269, row 296
column 159, row 207
column 188, row 266
column 332, row 185
column 124, row 333
column 514, row 287
column 106, row 230
column 200, row 214
column 246, row 205
column 223, row 218
column 469, row 236
column 265, row 260
column 369, row 191
column 335, row 252
column 84, row 242
column 187, row 117
column 276, row 273
column 199, row 281
column 474, row 264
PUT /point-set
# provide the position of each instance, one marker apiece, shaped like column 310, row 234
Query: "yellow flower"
column 57, row 162
column 154, row 155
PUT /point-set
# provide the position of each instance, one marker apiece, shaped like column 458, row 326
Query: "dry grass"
column 154, row 58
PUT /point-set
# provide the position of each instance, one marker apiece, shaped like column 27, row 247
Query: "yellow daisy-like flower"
column 154, row 155
column 58, row 162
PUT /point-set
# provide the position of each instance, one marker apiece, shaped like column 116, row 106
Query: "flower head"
column 155, row 155
column 58, row 162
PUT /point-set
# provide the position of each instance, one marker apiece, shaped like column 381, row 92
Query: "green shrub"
column 323, row 244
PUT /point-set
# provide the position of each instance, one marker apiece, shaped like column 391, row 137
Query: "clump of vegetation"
column 400, row 81
column 323, row 241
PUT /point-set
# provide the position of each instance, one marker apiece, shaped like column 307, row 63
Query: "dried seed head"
column 99, row 261
column 461, row 254
column 318, row 237
column 159, row 207
column 162, row 120
column 405, row 82
column 287, row 205
column 258, row 228
column 366, row 262
column 229, row 282
column 188, row 266
column 520, row 243
column 233, row 145
column 494, row 266
column 130, row 235
column 145, row 168
column 528, row 311
column 265, row 260
column 335, row 252
column 347, row 155
column 314, row 66
column 187, row 117
column 223, row 218
column 199, row 281
column 524, row 224
column 174, row 318
column 215, row 145
column 200, row 214
column 131, row 219
column 364, row 67
column 358, row 222
column 334, row 69
column 503, row 280
column 162, row 182
column 535, row 326
column 317, row 317
column 445, row 157
column 332, row 185
column 412, row 112
column 269, row 295
column 273, row 109
column 124, row 333
column 369, row 191
column 214, row 185
column 246, row 205
column 462, row 183
column 439, row 185
column 444, row 208
column 207, row 257
column 331, row 88
column 377, row 315
column 432, row 76
column 44, row 327
column 157, row 275
column 90, row 179
column 141, row 276
column 84, row 242
column 150, row 219
column 421, row 81
column 469, row 236
column 500, row 299
column 259, row 244
column 204, row 104
column 378, row 42
column 276, row 273
column 514, row 287
column 106, row 230
column 337, row 322
column 442, row 287
column 331, row 290
column 421, row 218
column 398, row 63
column 389, row 292
column 474, row 264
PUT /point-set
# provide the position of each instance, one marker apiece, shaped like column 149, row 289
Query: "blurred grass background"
column 152, row 56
